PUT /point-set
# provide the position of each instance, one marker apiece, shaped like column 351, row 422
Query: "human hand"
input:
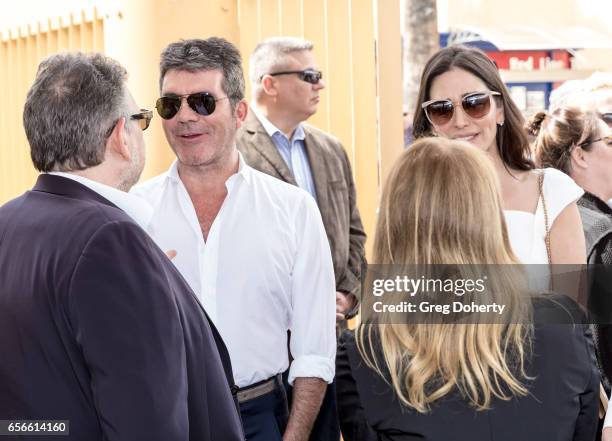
column 344, row 304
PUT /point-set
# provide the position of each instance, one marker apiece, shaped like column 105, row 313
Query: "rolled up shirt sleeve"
column 313, row 324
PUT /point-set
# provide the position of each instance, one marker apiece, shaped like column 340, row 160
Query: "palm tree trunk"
column 421, row 40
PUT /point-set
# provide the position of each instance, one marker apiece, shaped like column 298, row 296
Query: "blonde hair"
column 441, row 205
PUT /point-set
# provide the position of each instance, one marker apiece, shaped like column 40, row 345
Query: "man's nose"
column 185, row 112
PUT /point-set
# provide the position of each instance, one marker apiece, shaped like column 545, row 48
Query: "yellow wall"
column 137, row 35
column 357, row 45
column 21, row 50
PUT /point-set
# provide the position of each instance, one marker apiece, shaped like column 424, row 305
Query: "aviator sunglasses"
column 203, row 103
column 475, row 105
column 309, row 75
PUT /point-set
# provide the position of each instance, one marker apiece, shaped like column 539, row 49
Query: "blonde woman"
column 447, row 381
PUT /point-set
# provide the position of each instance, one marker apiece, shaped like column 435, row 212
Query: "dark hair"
column 210, row 54
column 558, row 133
column 511, row 138
column 69, row 109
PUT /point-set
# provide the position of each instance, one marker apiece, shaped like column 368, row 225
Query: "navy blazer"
column 562, row 403
column 99, row 328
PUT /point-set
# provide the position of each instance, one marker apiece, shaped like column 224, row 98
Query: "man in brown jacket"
column 275, row 140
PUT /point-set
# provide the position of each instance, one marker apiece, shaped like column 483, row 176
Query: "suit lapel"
column 317, row 158
column 263, row 143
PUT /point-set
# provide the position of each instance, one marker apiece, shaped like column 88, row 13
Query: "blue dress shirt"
column 293, row 151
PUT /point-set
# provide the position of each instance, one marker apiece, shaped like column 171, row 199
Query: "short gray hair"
column 211, row 54
column 74, row 101
column 271, row 55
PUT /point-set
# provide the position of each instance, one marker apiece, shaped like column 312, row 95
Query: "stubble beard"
column 218, row 158
column 132, row 174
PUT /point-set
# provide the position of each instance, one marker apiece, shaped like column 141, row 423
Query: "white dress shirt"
column 264, row 269
column 135, row 207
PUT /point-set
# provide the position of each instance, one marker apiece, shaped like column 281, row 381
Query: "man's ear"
column 117, row 142
column 241, row 112
column 268, row 84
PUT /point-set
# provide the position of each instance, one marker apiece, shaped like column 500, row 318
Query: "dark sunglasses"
column 203, row 103
column 144, row 118
column 309, row 75
column 607, row 118
column 475, row 105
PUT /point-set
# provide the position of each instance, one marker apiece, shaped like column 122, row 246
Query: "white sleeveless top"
column 527, row 231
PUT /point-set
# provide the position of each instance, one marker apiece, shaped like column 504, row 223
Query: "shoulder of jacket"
column 321, row 134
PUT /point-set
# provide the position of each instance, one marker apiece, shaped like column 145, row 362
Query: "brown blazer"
column 333, row 180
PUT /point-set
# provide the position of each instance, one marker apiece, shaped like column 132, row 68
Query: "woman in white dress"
column 462, row 96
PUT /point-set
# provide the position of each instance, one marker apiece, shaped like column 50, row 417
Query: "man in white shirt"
column 253, row 248
column 97, row 327
column 277, row 140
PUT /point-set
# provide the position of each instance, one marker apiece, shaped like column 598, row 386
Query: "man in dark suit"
column 97, row 327
column 276, row 140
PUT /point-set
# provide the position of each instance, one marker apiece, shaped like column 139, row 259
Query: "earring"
column 501, row 124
